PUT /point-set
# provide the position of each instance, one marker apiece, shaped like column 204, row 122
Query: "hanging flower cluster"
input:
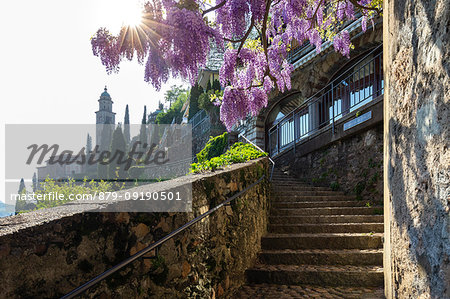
column 174, row 39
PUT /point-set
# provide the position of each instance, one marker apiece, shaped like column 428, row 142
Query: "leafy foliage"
column 206, row 99
column 238, row 153
column 213, row 148
column 173, row 93
column 50, row 186
column 174, row 112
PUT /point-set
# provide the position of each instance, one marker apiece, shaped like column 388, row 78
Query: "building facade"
column 328, row 128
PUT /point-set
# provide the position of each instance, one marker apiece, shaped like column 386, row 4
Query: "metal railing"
column 134, row 257
column 198, row 118
column 201, row 123
column 261, row 150
column 353, row 89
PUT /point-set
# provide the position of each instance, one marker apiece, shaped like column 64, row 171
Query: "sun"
column 131, row 13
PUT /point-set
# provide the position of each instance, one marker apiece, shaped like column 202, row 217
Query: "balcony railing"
column 353, row 89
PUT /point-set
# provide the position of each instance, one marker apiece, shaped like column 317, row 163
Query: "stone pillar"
column 417, row 150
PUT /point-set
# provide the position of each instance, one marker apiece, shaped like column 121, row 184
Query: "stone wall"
column 347, row 160
column 353, row 165
column 49, row 252
column 417, row 142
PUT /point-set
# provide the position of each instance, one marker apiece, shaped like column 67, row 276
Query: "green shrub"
column 213, row 148
column 238, row 153
column 334, row 186
column 50, row 186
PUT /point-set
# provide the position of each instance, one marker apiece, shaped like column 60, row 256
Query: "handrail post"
column 332, row 108
column 278, row 138
column 295, row 131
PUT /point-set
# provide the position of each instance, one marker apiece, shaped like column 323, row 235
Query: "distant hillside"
column 6, row 210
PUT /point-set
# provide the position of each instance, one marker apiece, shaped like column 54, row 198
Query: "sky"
column 48, row 72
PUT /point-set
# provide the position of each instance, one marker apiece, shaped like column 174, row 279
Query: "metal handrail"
column 261, row 150
column 146, row 250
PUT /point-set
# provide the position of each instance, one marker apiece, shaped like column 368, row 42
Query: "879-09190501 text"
column 104, row 196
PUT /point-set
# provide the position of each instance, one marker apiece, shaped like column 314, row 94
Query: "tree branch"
column 214, row 7
column 355, row 3
column 244, row 38
column 315, row 14
column 264, row 27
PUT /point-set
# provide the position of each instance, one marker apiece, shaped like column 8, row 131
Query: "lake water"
column 6, row 210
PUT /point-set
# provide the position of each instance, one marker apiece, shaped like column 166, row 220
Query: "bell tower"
column 104, row 114
column 105, row 121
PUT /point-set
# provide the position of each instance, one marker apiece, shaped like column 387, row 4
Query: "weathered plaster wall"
column 417, row 155
column 47, row 253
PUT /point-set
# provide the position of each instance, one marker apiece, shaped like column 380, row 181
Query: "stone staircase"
column 321, row 244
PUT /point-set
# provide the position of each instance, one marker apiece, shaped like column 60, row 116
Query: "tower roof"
column 105, row 93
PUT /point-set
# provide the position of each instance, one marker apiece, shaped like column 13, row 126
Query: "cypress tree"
column 126, row 128
column 216, row 85
column 143, row 131
column 21, row 186
column 196, row 91
column 118, row 149
column 35, row 186
column 88, row 144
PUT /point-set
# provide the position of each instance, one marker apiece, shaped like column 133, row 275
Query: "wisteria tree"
column 174, row 39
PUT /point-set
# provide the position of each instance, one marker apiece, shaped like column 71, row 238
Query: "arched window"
column 283, row 108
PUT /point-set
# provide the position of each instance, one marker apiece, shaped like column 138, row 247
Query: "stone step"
column 281, row 173
column 288, row 181
column 367, row 276
column 326, row 228
column 285, row 179
column 278, row 291
column 318, row 204
column 288, row 192
column 322, row 241
column 299, row 197
column 326, row 219
column 353, row 257
column 327, row 211
column 295, row 187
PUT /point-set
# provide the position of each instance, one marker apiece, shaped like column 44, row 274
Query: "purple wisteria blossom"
column 175, row 36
